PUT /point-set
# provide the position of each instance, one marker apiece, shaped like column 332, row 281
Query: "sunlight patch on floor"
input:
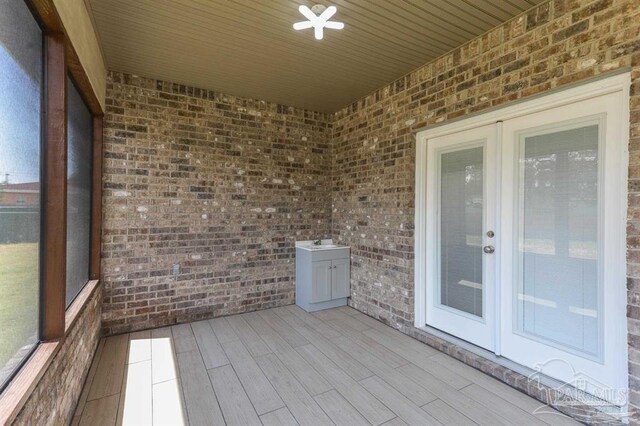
column 151, row 391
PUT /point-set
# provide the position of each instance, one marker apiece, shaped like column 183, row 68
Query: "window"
column 79, row 155
column 21, row 83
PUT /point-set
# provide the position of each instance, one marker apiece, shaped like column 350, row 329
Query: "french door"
column 462, row 277
column 525, row 239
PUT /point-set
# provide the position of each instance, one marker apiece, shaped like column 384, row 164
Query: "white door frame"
column 615, row 84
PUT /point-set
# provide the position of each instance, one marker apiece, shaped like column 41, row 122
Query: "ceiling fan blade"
column 328, row 13
column 302, row 25
column 307, row 13
column 334, row 25
column 318, row 32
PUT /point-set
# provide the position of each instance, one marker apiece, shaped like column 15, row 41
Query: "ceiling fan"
column 318, row 19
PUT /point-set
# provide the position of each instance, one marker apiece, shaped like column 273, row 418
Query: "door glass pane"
column 79, row 142
column 558, row 241
column 461, row 207
column 20, row 108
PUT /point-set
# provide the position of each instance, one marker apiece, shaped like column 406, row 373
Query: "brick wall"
column 222, row 185
column 54, row 399
column 558, row 43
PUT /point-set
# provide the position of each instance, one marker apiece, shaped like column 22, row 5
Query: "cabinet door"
column 321, row 282
column 340, row 279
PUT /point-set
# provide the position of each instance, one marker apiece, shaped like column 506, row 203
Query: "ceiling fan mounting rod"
column 318, row 8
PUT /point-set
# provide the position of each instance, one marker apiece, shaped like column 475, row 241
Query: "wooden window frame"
column 56, row 320
column 61, row 60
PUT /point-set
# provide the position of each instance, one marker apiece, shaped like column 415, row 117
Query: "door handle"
column 488, row 249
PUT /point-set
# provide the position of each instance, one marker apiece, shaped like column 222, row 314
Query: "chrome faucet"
column 317, row 242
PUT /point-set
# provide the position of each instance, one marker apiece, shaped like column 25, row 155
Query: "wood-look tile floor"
column 284, row 366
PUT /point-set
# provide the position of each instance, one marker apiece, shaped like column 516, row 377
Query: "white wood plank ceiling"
column 248, row 47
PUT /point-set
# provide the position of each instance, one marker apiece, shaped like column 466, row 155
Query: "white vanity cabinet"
column 323, row 276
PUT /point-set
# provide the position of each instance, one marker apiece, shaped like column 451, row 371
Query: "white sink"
column 320, row 247
column 326, row 245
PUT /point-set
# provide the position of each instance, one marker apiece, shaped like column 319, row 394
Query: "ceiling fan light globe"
column 302, row 25
column 328, row 13
column 306, row 12
column 334, row 25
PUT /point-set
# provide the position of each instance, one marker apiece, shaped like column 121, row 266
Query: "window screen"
column 79, row 143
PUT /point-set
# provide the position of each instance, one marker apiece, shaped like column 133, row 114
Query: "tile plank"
column 302, row 406
column 168, row 404
column 348, row 310
column 224, row 332
column 87, row 385
column 293, row 314
column 370, row 321
column 163, row 360
column 400, row 405
column 339, row 410
column 258, row 388
column 268, row 334
column 397, row 339
column 451, row 396
column 208, row 344
column 380, row 351
column 200, row 399
column 553, row 417
column 446, row 414
column 510, row 412
column 287, row 332
column 412, row 390
column 183, row 338
column 370, row 407
column 345, row 361
column 280, row 417
column 249, row 337
column 110, row 372
column 139, row 346
column 308, row 377
column 502, row 390
column 423, row 361
column 136, row 400
column 329, row 315
column 101, row 411
column 234, row 402
column 395, row 422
